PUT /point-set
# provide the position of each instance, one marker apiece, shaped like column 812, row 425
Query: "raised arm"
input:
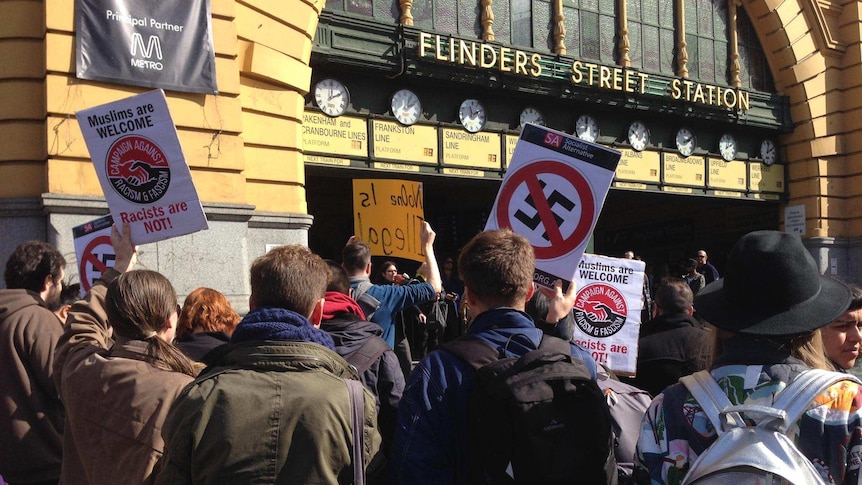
column 427, row 236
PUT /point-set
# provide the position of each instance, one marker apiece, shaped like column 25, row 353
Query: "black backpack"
column 540, row 418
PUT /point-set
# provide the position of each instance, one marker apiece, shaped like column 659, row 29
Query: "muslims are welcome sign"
column 608, row 310
column 134, row 147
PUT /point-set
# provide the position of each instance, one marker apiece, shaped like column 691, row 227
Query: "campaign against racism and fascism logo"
column 138, row 169
column 600, row 310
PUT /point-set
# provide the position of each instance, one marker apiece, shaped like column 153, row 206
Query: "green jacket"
column 274, row 412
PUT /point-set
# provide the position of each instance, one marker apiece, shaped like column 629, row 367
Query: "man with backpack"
column 465, row 419
column 359, row 342
column 765, row 411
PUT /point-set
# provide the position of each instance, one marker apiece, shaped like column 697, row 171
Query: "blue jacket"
column 431, row 435
column 393, row 299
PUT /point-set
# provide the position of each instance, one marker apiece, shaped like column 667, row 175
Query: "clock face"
column 586, row 128
column 406, row 107
column 531, row 115
column 331, row 97
column 472, row 115
column 685, row 141
column 768, row 152
column 638, row 135
column 727, row 147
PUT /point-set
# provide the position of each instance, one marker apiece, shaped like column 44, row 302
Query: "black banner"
column 153, row 44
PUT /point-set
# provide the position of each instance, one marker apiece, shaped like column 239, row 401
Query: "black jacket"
column 671, row 346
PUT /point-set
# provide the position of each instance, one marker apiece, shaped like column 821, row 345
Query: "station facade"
column 730, row 115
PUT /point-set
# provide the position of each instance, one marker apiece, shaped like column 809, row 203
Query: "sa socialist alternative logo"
column 600, row 310
column 138, row 169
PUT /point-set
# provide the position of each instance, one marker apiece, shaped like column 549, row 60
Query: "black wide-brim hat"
column 772, row 287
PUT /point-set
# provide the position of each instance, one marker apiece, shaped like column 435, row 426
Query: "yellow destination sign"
column 677, row 190
column 345, row 135
column 639, row 166
column 763, row 178
column 511, row 141
column 387, row 215
column 471, row 149
column 684, row 171
column 727, row 175
column 398, row 167
column 464, row 172
column 393, row 141
column 342, row 162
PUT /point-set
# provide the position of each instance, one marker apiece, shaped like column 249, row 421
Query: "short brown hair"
column 355, row 257
column 208, row 310
column 673, row 295
column 497, row 267
column 290, row 277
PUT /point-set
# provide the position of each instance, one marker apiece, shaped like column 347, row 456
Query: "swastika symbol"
column 554, row 199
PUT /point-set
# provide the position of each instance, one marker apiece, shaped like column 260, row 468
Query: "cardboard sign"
column 94, row 250
column 134, row 146
column 388, row 214
column 552, row 195
column 608, row 310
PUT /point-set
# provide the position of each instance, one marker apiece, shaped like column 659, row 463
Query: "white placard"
column 552, row 195
column 608, row 310
column 134, row 146
column 794, row 219
column 94, row 250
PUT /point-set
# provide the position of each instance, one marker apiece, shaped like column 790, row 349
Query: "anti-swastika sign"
column 552, row 195
column 94, row 250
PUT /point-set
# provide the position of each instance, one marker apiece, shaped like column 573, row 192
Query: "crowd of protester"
column 345, row 373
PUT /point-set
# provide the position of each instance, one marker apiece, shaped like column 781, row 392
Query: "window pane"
column 423, row 14
column 705, row 18
column 666, row 14
column 444, row 17
column 469, row 18
column 691, row 48
column 721, row 60
column 544, row 13
column 590, row 5
column 607, row 6
column 690, row 16
column 522, row 31
column 720, row 18
column 635, row 53
column 705, row 60
column 667, row 51
column 362, row 7
column 607, row 31
column 650, row 11
column 573, row 32
column 387, row 10
column 651, row 48
column 634, row 10
column 590, row 35
column 501, row 28
column 334, row 5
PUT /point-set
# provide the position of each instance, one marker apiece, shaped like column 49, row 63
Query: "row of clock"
column 332, row 97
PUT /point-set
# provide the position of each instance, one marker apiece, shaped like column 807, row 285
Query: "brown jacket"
column 116, row 400
column 31, row 416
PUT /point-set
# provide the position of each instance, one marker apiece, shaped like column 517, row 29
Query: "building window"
column 706, row 40
column 379, row 9
column 754, row 70
column 590, row 29
column 651, row 34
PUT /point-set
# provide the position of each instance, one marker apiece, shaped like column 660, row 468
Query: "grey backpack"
column 762, row 453
column 368, row 303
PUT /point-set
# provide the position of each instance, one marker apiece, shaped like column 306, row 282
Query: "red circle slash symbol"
column 570, row 180
column 92, row 264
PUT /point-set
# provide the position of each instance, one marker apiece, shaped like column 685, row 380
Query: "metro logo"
column 553, row 139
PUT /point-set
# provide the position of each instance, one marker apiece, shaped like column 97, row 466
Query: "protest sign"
column 552, row 195
column 388, row 216
column 608, row 308
column 134, row 146
column 94, row 250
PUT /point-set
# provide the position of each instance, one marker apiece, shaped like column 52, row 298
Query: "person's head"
column 68, row 296
column 206, row 310
column 39, row 267
column 356, row 258
column 689, row 265
column 289, row 277
column 388, row 272
column 701, row 257
column 629, row 255
column 449, row 264
column 673, row 296
column 842, row 339
column 142, row 305
column 497, row 269
column 772, row 291
column 337, row 279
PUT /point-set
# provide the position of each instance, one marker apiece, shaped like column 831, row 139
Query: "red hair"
column 206, row 310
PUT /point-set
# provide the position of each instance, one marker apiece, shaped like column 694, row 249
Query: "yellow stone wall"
column 814, row 53
column 242, row 145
